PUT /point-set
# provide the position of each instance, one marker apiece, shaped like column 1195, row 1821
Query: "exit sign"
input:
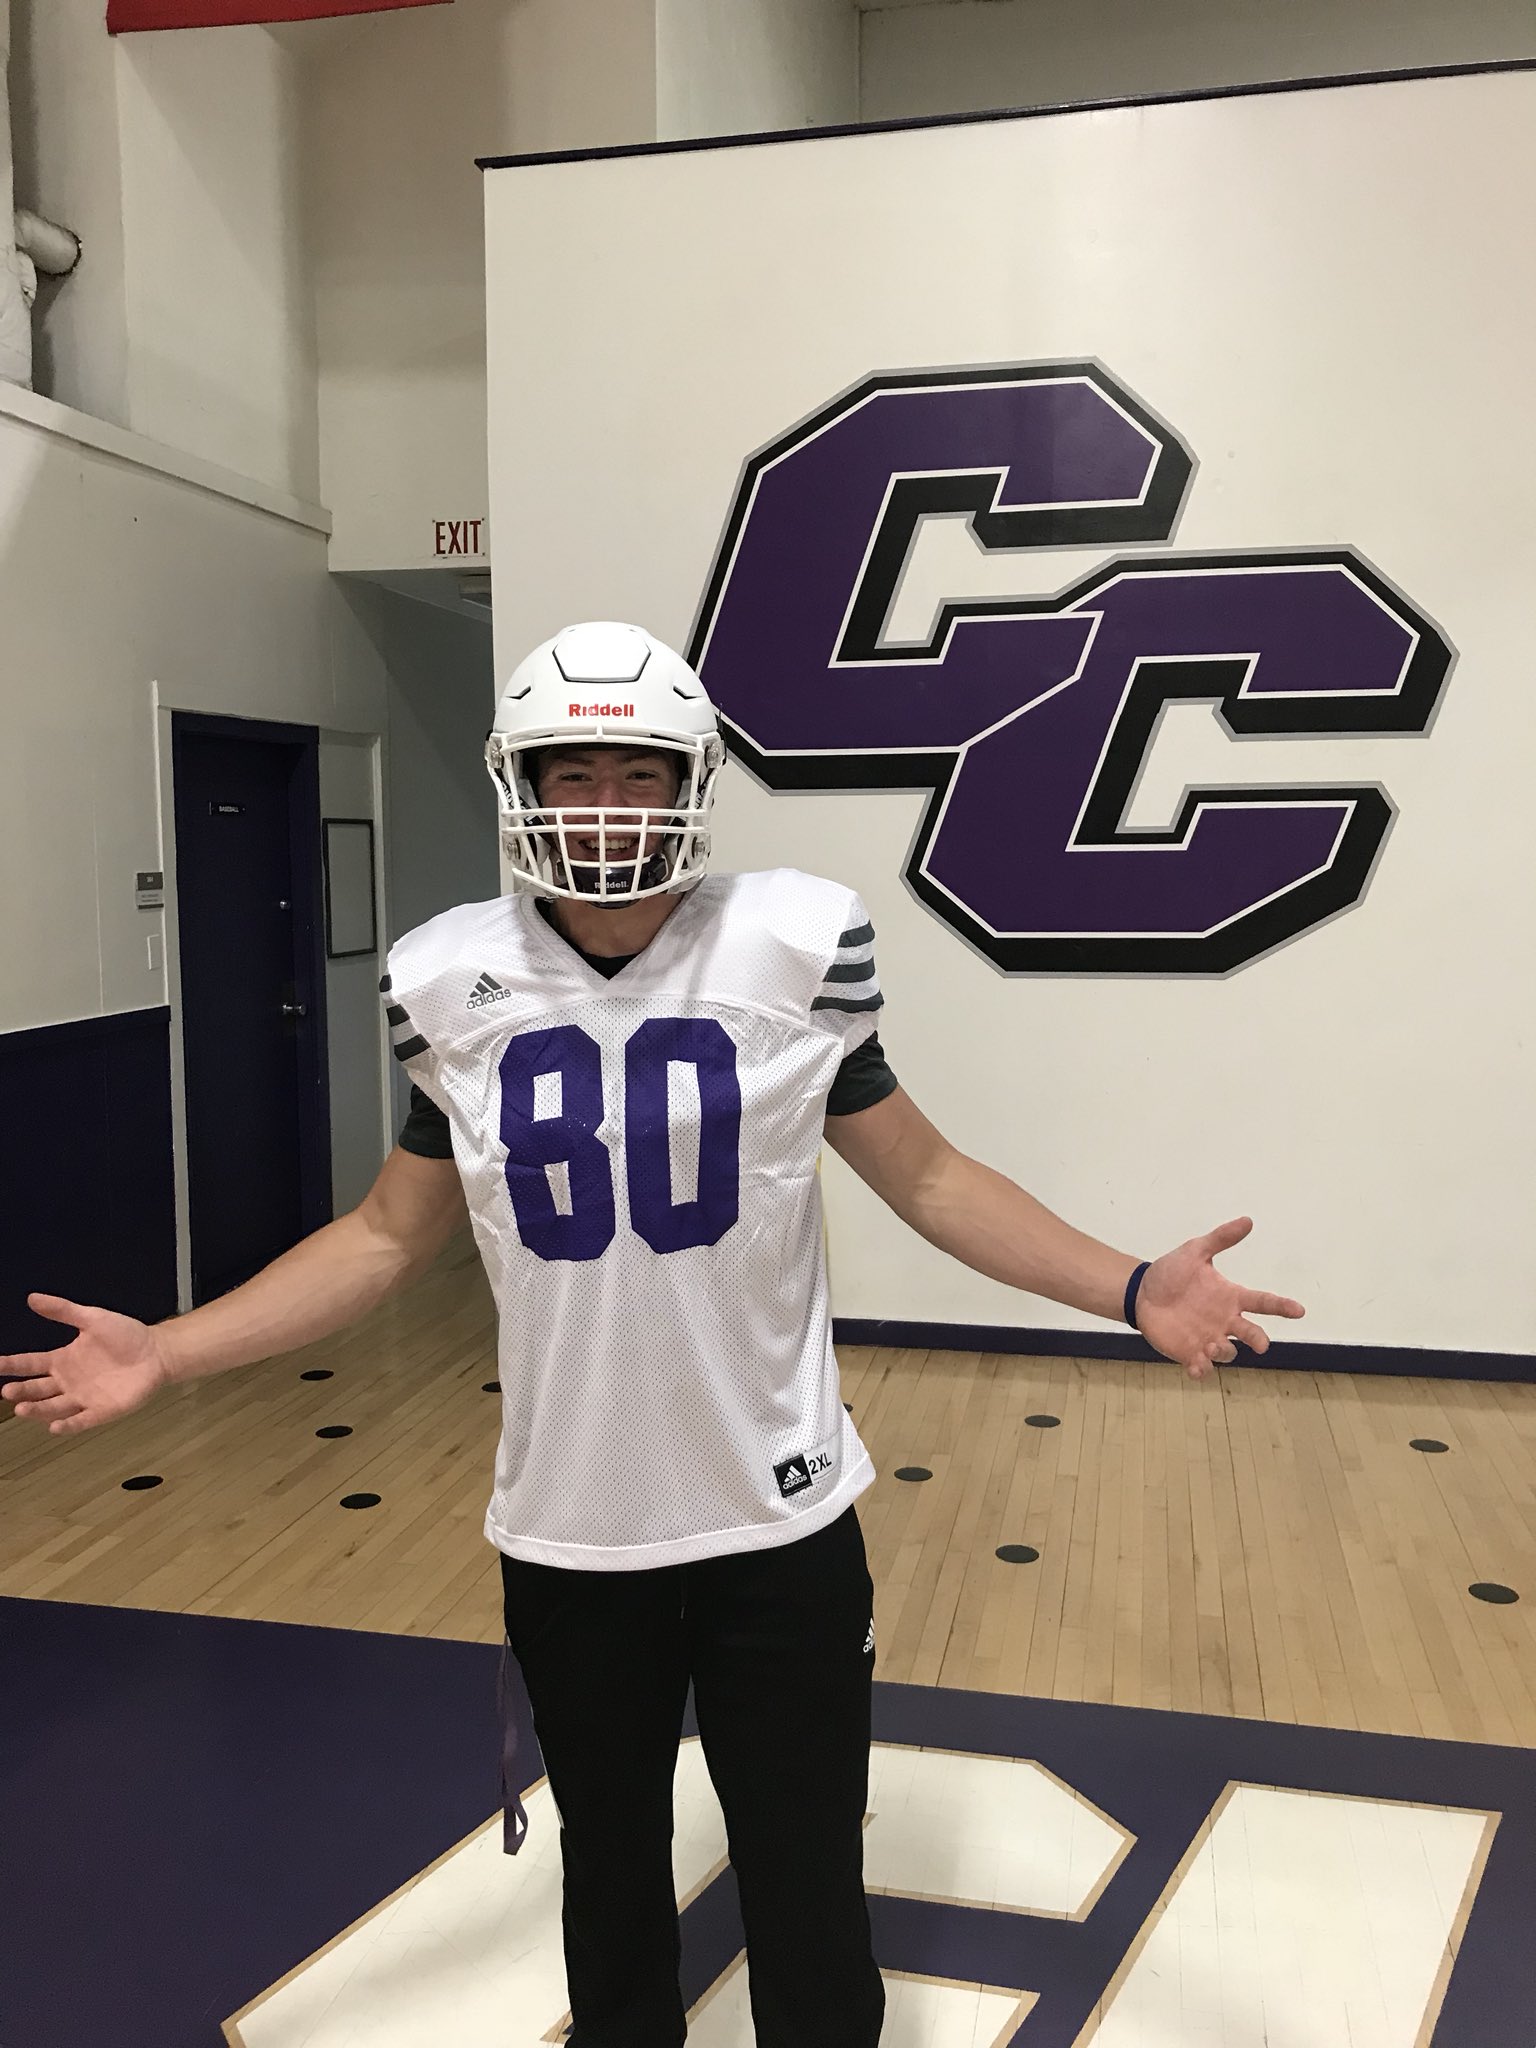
column 458, row 536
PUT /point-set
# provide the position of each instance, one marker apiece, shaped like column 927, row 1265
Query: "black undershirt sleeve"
column 863, row 1079
column 425, row 1130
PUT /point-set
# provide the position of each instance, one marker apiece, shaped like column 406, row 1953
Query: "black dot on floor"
column 143, row 1482
column 491, row 1387
column 913, row 1472
column 849, row 1406
column 1018, row 1553
column 335, row 1429
column 359, row 1500
column 1426, row 1443
column 1500, row 1596
column 318, row 1372
column 1043, row 1421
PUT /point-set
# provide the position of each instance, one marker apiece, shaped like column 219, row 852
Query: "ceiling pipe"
column 54, row 250
column 28, row 244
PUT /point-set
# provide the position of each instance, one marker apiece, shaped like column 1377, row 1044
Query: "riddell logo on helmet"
column 600, row 711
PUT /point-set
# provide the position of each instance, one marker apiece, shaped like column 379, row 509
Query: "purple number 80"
column 584, row 1225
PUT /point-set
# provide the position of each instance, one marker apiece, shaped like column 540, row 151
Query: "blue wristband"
column 1132, row 1289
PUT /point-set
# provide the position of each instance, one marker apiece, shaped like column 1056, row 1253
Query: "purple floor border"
column 201, row 1803
column 1402, row 1360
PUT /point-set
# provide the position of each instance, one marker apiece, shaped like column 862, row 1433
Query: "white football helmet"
column 604, row 684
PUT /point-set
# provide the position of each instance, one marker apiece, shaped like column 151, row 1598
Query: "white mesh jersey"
column 639, row 1158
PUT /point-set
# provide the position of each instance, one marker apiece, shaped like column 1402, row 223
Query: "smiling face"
column 617, row 788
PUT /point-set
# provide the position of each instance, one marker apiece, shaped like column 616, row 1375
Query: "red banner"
column 125, row 16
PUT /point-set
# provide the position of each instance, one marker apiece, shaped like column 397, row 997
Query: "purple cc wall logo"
column 1030, row 720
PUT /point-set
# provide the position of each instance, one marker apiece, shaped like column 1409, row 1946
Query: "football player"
column 625, row 1069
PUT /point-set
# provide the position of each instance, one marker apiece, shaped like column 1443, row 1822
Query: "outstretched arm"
column 1185, row 1308
column 115, row 1363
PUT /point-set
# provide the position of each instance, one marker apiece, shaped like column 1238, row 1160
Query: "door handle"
column 295, row 1009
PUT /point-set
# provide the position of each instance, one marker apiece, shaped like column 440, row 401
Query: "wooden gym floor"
column 1266, row 1544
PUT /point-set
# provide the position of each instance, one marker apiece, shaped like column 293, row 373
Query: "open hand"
column 112, row 1367
column 1189, row 1312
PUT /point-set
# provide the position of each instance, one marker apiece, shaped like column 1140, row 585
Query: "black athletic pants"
column 774, row 1642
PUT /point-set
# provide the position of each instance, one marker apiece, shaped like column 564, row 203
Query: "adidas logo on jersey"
column 488, row 990
column 869, row 1640
column 792, row 1476
column 796, row 1473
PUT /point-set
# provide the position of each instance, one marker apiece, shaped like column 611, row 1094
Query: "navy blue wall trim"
column 86, row 1185
column 1399, row 1359
column 1326, row 83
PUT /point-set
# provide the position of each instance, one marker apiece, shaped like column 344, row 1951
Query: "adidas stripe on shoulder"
column 850, row 983
column 405, row 1041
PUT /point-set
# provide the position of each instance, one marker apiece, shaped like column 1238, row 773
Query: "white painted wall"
column 440, row 806
column 726, row 67
column 350, row 787
column 221, row 354
column 961, row 56
column 396, row 111
column 175, row 158
column 15, row 326
column 65, row 119
column 123, row 587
